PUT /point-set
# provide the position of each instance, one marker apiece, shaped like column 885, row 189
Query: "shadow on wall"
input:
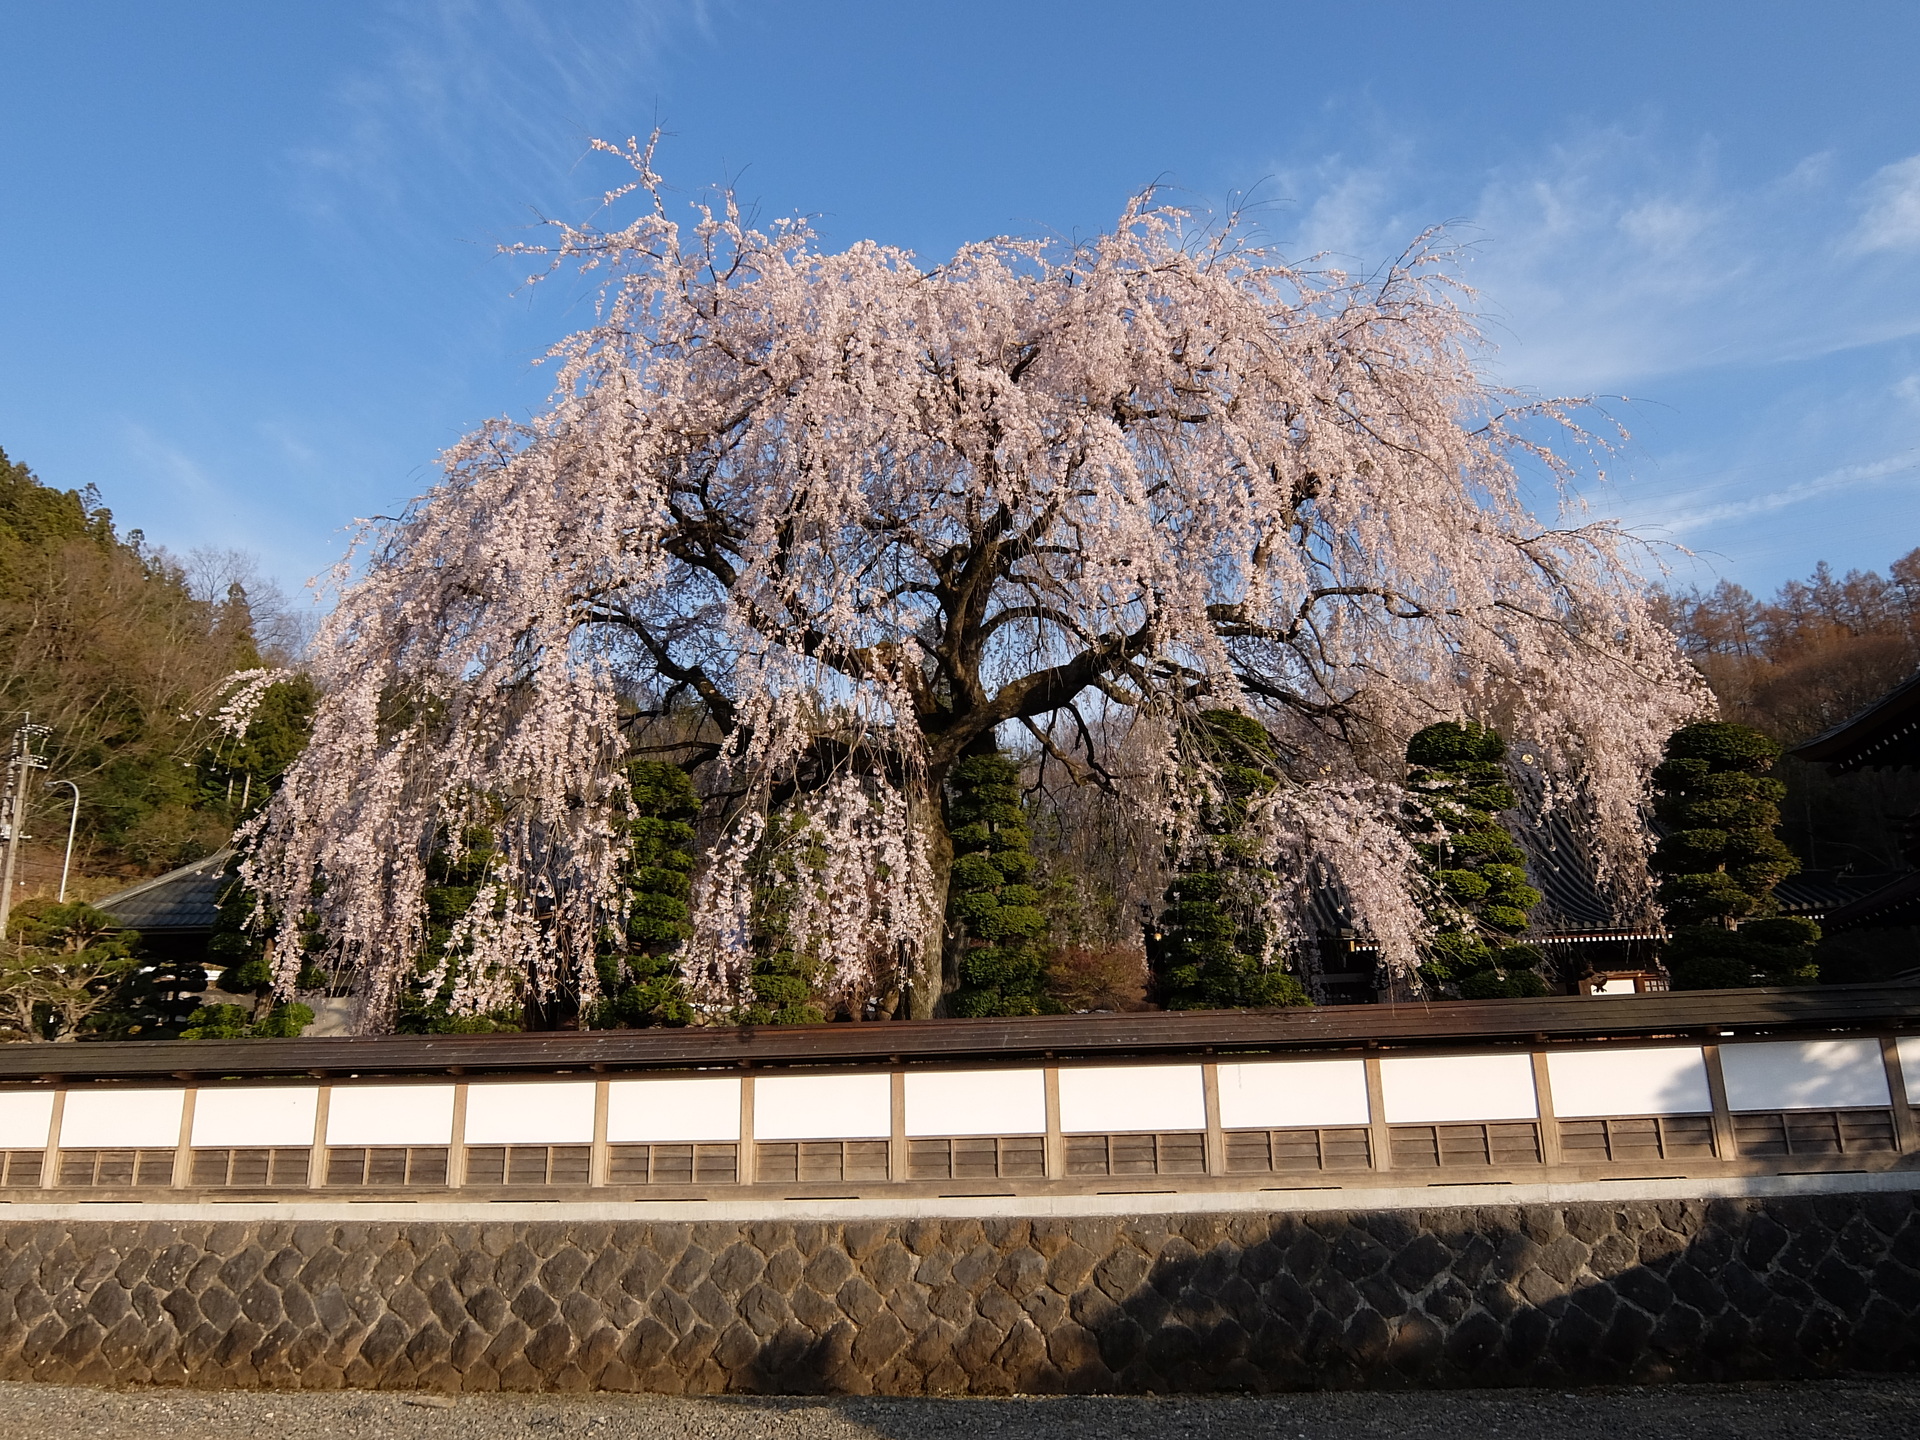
column 1484, row 1297
column 1583, row 1293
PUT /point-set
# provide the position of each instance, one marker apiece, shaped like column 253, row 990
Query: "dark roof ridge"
column 219, row 857
column 1871, row 729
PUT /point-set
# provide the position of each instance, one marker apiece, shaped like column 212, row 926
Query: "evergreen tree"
column 1720, row 860
column 236, row 775
column 640, row 978
column 1210, row 948
column 781, row 979
column 69, row 972
column 993, row 911
column 1479, row 871
column 455, row 873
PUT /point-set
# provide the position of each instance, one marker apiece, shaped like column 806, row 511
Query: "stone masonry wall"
column 1540, row 1294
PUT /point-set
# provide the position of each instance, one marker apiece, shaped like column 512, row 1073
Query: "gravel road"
column 1853, row 1407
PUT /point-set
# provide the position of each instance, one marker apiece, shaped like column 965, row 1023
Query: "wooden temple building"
column 1884, row 736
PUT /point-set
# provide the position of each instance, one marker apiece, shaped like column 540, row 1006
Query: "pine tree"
column 455, row 873
column 1210, row 949
column 237, row 775
column 1720, row 860
column 640, row 978
column 70, row 972
column 993, row 910
column 781, row 979
column 1478, row 869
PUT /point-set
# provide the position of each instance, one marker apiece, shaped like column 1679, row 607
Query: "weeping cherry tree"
column 860, row 520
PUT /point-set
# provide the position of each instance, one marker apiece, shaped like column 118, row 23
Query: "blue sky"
column 249, row 286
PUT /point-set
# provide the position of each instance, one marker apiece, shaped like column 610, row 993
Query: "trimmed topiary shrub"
column 1482, row 898
column 1721, row 858
column 640, row 972
column 1211, row 950
column 994, row 912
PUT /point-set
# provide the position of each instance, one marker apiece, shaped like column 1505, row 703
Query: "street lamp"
column 73, row 823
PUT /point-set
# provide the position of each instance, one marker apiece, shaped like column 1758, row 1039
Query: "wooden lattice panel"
column 977, row 1157
column 261, row 1166
column 1478, row 1145
column 1181, row 1152
column 673, row 1164
column 384, row 1165
column 1298, row 1151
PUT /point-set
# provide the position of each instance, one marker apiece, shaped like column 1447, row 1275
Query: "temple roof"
column 180, row 901
column 1884, row 736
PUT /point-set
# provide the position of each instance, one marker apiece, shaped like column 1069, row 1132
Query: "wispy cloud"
column 1695, row 511
column 1615, row 256
column 1892, row 219
column 498, row 96
column 1766, row 317
column 179, row 471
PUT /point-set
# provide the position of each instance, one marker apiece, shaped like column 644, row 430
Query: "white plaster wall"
column 104, row 1119
column 977, row 1102
column 1804, row 1074
column 26, row 1116
column 1280, row 1093
column 547, row 1112
column 822, row 1107
column 1670, row 1080
column 279, row 1116
column 390, row 1115
column 665, row 1111
column 1908, row 1047
column 1108, row 1098
column 1431, row 1089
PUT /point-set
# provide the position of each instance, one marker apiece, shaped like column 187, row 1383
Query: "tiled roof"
column 183, row 899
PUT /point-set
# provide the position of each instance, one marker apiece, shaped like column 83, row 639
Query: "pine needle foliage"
column 1720, row 860
column 1457, row 774
column 1211, row 949
column 781, row 980
column 994, row 911
column 65, row 968
column 640, row 976
column 458, row 874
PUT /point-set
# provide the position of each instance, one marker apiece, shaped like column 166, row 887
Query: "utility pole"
column 28, row 754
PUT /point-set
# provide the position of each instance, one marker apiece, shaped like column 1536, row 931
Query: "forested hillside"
column 118, row 647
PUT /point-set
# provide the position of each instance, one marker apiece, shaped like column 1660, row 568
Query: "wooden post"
column 1056, row 1144
column 602, row 1161
column 1723, row 1142
column 183, row 1151
column 1379, row 1137
column 457, row 1142
column 1906, row 1136
column 749, row 1169
column 897, row 1137
column 50, row 1164
column 1216, row 1137
column 317, row 1161
column 1543, row 1103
